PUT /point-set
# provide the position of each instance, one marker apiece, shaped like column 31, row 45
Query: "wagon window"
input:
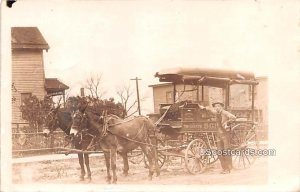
column 216, row 94
column 240, row 96
column 169, row 96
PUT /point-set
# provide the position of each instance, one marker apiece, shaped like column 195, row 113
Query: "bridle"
column 84, row 132
column 52, row 116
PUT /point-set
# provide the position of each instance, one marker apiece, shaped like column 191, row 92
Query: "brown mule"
column 117, row 135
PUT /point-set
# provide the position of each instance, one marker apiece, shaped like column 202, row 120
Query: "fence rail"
column 27, row 141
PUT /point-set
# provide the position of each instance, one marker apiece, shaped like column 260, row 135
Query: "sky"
column 126, row 39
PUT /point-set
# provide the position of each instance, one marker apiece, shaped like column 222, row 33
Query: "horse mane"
column 92, row 120
column 113, row 119
column 64, row 119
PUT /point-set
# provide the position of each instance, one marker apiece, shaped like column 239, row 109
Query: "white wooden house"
column 28, row 75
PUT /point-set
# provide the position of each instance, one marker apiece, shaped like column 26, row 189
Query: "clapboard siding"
column 28, row 77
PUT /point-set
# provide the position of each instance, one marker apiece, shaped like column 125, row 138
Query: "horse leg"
column 155, row 152
column 126, row 166
column 107, row 161
column 113, row 157
column 157, row 168
column 80, row 158
column 148, row 154
column 87, row 164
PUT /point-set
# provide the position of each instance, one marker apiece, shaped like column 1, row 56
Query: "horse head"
column 79, row 122
column 51, row 122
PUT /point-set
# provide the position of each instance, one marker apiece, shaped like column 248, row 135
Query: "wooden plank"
column 28, row 76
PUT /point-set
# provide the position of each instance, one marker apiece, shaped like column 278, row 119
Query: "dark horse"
column 58, row 117
column 117, row 135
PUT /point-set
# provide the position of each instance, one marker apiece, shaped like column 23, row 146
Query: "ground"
column 66, row 171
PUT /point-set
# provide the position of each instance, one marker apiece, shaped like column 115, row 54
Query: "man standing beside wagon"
column 223, row 119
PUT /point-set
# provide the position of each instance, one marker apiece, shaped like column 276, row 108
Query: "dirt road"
column 173, row 172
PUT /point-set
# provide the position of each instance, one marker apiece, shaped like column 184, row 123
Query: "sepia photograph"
column 143, row 95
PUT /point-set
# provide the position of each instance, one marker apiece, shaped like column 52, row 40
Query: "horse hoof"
column 108, row 180
column 157, row 173
column 81, row 179
column 124, row 174
column 150, row 178
column 89, row 179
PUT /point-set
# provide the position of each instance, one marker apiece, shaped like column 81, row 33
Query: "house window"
column 25, row 96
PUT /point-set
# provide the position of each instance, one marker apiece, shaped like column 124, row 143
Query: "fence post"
column 51, row 141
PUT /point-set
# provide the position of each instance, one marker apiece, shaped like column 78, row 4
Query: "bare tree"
column 128, row 99
column 93, row 85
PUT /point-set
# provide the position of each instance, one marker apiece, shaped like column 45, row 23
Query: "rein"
column 105, row 130
column 131, row 139
column 124, row 121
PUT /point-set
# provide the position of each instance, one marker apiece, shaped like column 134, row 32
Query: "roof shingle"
column 27, row 38
column 54, row 85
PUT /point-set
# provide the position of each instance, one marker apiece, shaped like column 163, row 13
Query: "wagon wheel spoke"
column 235, row 158
column 161, row 158
column 239, row 161
column 193, row 151
column 243, row 159
column 194, row 161
column 247, row 142
column 247, row 159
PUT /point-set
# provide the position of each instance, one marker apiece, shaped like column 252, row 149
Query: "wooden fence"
column 27, row 141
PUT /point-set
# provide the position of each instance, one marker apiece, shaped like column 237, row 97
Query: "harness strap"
column 129, row 139
column 125, row 121
column 137, row 134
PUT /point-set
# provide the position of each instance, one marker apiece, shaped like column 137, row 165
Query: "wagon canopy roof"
column 27, row 38
column 206, row 77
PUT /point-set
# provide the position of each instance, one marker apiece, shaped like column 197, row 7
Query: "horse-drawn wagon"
column 188, row 130
column 184, row 128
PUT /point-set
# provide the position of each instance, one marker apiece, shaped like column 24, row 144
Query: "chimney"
column 82, row 92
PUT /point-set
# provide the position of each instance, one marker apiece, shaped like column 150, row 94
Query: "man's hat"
column 220, row 103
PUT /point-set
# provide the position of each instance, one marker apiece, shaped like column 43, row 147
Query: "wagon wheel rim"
column 135, row 157
column 195, row 160
column 245, row 144
column 160, row 154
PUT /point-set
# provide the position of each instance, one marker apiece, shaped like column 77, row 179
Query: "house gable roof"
column 27, row 38
column 53, row 85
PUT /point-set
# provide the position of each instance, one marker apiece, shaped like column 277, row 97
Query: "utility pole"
column 137, row 93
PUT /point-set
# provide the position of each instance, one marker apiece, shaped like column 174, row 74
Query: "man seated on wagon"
column 223, row 118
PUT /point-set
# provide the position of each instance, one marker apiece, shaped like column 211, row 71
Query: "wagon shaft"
column 73, row 151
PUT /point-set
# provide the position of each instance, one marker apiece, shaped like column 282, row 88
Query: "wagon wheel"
column 195, row 158
column 161, row 157
column 135, row 157
column 244, row 143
